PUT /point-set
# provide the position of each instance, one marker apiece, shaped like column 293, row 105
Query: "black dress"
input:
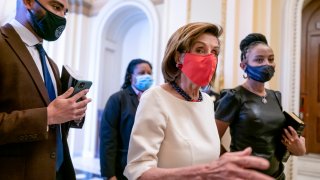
column 253, row 123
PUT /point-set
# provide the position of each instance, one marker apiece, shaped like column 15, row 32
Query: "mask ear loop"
column 181, row 59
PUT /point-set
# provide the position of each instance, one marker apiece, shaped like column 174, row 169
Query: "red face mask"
column 199, row 68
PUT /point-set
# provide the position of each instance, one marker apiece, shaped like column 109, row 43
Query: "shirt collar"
column 136, row 90
column 25, row 34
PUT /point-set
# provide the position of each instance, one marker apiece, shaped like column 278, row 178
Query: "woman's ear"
column 243, row 65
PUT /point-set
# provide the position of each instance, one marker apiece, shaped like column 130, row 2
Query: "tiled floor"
column 87, row 168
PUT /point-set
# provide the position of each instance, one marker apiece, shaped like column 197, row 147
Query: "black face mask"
column 50, row 26
column 260, row 73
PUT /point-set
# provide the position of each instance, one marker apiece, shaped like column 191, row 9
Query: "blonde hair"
column 181, row 41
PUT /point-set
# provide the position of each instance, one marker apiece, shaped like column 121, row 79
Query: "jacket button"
column 53, row 155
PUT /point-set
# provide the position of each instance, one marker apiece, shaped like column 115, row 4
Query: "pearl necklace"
column 184, row 94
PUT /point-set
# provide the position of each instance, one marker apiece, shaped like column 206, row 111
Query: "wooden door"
column 310, row 75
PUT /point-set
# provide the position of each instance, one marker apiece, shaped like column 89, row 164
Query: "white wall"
column 136, row 44
column 123, row 30
column 206, row 11
column 7, row 10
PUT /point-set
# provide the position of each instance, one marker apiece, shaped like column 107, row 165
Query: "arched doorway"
column 122, row 29
column 119, row 31
column 126, row 32
column 304, row 167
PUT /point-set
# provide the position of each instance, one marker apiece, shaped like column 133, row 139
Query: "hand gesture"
column 295, row 144
column 65, row 108
column 238, row 165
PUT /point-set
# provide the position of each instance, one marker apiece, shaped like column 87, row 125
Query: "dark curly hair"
column 250, row 41
column 132, row 65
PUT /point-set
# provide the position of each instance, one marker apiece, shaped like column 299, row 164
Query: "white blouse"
column 169, row 132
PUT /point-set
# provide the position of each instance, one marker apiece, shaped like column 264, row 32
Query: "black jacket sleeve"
column 109, row 136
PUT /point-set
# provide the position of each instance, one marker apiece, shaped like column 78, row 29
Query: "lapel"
column 133, row 96
column 23, row 54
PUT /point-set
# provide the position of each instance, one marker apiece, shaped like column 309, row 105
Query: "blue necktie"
column 52, row 96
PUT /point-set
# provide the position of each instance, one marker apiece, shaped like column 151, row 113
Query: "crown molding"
column 92, row 7
column 157, row 2
column 86, row 7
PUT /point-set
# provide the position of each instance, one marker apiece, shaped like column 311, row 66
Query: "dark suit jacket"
column 27, row 146
column 116, row 125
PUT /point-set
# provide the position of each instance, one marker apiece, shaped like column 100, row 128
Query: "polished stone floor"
column 87, row 168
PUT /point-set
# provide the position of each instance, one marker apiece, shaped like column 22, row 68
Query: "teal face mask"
column 50, row 26
column 143, row 82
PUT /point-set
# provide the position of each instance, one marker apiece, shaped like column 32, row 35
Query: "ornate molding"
column 291, row 69
column 157, row 2
column 295, row 81
column 86, row 7
column 92, row 7
column 290, row 72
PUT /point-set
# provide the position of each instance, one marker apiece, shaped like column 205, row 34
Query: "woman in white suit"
column 174, row 134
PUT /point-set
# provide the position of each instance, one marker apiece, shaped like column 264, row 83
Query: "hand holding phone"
column 81, row 85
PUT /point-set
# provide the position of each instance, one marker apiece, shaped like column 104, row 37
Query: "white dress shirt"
column 30, row 40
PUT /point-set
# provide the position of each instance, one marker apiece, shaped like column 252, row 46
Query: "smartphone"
column 81, row 85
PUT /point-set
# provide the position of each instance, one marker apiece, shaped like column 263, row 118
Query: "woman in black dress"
column 254, row 113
